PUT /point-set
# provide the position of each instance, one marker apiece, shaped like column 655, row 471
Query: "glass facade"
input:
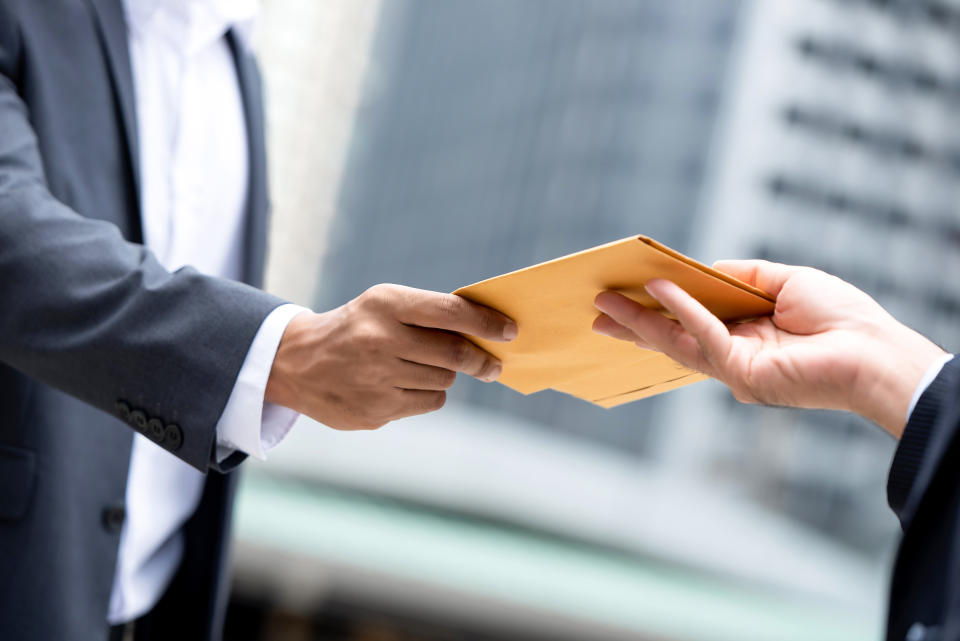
column 838, row 149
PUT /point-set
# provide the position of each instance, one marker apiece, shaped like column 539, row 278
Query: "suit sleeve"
column 930, row 429
column 91, row 314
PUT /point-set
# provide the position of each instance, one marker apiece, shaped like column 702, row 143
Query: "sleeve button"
column 113, row 517
column 123, row 410
column 138, row 419
column 155, row 430
column 173, row 437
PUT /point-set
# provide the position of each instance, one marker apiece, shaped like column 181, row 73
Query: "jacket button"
column 173, row 437
column 155, row 430
column 123, row 410
column 138, row 419
column 113, row 517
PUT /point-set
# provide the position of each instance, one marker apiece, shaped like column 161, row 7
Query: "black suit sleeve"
column 926, row 433
column 85, row 311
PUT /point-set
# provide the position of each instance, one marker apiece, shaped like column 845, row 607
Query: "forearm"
column 96, row 316
column 99, row 318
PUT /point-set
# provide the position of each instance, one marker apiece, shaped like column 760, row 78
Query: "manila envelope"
column 552, row 304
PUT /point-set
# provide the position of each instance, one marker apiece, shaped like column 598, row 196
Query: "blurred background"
column 435, row 144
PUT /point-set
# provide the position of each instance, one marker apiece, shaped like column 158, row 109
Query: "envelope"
column 552, row 304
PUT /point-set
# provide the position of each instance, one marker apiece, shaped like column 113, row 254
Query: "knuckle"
column 490, row 325
column 435, row 401
column 373, row 373
column 487, row 368
column 460, row 353
column 380, row 294
column 381, row 410
column 677, row 333
column 370, row 335
column 631, row 315
column 450, row 306
column 706, row 350
column 371, row 294
column 447, row 379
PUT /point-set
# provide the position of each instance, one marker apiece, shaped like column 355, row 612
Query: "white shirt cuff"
column 932, row 372
column 249, row 423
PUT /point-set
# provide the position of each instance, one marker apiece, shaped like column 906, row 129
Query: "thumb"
column 762, row 274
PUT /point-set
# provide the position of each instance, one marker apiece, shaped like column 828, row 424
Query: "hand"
column 827, row 345
column 389, row 353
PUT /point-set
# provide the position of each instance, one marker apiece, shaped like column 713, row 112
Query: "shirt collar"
column 191, row 25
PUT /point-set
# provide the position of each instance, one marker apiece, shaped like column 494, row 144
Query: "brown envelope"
column 553, row 305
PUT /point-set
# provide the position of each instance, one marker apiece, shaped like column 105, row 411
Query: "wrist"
column 281, row 388
column 898, row 367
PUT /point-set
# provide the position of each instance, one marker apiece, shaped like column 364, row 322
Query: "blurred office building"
column 490, row 136
column 839, row 147
column 501, row 134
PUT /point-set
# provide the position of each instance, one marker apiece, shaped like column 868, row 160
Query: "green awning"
column 530, row 570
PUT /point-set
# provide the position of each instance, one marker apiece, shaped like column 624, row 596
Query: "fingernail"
column 652, row 295
column 510, row 331
column 598, row 300
column 597, row 328
column 494, row 374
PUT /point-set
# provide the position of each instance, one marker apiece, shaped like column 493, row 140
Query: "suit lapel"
column 257, row 198
column 112, row 30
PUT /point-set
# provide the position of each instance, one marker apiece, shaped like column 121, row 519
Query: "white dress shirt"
column 932, row 372
column 194, row 175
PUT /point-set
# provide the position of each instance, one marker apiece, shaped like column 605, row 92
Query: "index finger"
column 655, row 330
column 456, row 314
column 713, row 337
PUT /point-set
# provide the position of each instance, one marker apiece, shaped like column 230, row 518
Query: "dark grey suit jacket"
column 96, row 337
column 924, row 491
